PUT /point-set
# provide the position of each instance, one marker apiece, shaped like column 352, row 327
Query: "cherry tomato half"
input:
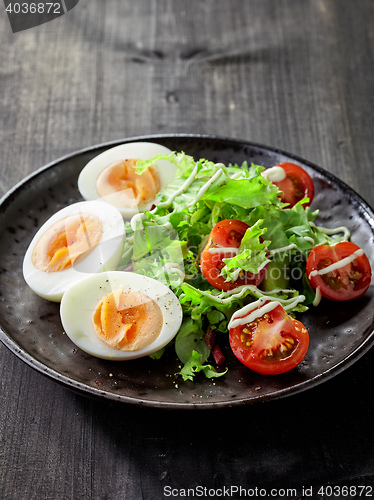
column 348, row 279
column 225, row 235
column 271, row 344
column 297, row 185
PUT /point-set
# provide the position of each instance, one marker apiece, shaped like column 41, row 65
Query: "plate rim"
column 87, row 390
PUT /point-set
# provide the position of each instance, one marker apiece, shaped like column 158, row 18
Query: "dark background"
column 295, row 75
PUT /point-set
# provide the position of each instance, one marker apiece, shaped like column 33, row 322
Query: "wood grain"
column 294, row 75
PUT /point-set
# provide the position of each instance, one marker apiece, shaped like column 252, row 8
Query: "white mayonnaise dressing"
column 221, row 249
column 282, row 249
column 137, row 219
column 265, row 263
column 274, row 174
column 236, row 293
column 188, row 183
column 341, row 229
column 338, row 265
column 293, row 302
column 206, row 186
column 251, row 312
column 181, row 190
column 237, row 176
column 308, row 238
column 318, row 297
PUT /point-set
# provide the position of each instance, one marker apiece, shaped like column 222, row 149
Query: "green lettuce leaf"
column 194, row 365
column 246, row 193
column 191, row 338
column 252, row 253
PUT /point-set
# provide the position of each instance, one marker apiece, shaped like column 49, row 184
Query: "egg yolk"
column 128, row 320
column 66, row 242
column 120, row 185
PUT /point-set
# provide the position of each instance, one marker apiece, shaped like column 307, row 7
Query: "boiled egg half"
column 85, row 237
column 111, row 176
column 118, row 315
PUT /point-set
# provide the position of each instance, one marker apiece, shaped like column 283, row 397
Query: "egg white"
column 105, row 256
column 132, row 150
column 80, row 301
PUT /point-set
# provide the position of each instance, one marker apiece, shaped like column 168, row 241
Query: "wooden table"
column 295, row 75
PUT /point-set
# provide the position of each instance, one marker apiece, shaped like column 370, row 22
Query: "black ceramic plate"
column 31, row 328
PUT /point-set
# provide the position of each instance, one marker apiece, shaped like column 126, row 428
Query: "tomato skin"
column 258, row 344
column 345, row 283
column 229, row 232
column 297, row 185
column 226, row 234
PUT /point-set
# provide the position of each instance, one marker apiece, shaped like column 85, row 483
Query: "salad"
column 239, row 246
column 194, row 256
